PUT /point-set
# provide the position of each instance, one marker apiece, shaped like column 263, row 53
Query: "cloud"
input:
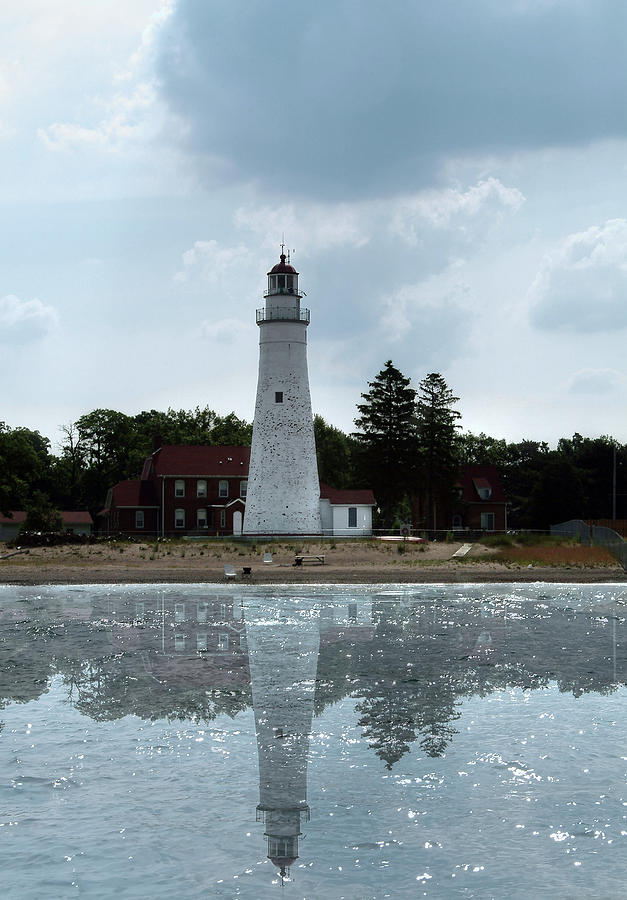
column 127, row 119
column 316, row 226
column 596, row 381
column 123, row 117
column 23, row 321
column 582, row 285
column 212, row 263
column 337, row 99
column 481, row 203
column 431, row 319
column 224, row 331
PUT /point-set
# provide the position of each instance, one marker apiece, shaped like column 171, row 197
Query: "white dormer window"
column 485, row 493
column 179, row 488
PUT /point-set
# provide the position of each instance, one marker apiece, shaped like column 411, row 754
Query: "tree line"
column 407, row 446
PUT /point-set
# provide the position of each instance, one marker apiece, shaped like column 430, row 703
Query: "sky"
column 451, row 177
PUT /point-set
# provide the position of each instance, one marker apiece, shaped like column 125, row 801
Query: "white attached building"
column 346, row 513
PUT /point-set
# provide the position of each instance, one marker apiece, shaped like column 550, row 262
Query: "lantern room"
column 283, row 279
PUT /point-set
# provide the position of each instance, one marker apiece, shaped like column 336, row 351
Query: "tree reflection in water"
column 410, row 658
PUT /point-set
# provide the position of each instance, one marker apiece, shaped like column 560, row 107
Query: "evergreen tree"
column 438, row 461
column 387, row 439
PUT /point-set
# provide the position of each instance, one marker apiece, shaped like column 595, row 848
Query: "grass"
column 544, row 550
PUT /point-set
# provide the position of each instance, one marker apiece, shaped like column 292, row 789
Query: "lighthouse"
column 283, row 495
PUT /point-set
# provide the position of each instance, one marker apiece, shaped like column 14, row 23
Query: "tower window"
column 278, row 396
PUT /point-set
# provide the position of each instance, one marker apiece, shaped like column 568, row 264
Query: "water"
column 406, row 741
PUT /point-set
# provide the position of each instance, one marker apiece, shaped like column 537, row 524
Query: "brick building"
column 201, row 490
column 481, row 504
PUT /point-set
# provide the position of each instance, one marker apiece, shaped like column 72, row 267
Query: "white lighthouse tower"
column 283, row 494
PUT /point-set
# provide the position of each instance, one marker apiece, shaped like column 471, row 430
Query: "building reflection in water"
column 408, row 658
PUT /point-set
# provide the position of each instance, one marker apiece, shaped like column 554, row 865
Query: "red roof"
column 282, row 267
column 76, row 517
column 134, row 493
column 17, row 517
column 200, row 461
column 475, row 477
column 69, row 517
column 356, row 496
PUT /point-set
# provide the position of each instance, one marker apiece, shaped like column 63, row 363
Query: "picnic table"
column 314, row 558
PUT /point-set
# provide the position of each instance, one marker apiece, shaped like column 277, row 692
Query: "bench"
column 315, row 558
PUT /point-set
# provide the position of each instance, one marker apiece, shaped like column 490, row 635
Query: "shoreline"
column 354, row 563
column 429, row 574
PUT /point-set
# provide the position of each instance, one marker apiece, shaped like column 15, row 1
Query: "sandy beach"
column 358, row 562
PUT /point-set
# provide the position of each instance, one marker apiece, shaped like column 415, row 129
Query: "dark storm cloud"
column 352, row 98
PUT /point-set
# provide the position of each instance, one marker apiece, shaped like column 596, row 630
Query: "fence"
column 598, row 535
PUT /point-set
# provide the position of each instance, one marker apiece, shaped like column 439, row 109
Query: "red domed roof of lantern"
column 283, row 267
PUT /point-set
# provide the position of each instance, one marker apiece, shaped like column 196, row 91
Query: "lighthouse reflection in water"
column 283, row 645
column 468, row 736
column 283, row 640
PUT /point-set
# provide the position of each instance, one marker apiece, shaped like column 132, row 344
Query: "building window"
column 485, row 493
column 201, row 488
column 179, row 612
column 457, row 521
column 139, row 518
column 139, row 610
column 243, row 489
column 201, row 612
column 223, row 488
column 179, row 642
column 179, row 518
column 201, row 518
column 201, row 640
column 223, row 612
column 223, row 641
column 179, row 488
column 352, row 517
column 352, row 612
column 487, row 521
column 278, row 396
column 222, row 518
